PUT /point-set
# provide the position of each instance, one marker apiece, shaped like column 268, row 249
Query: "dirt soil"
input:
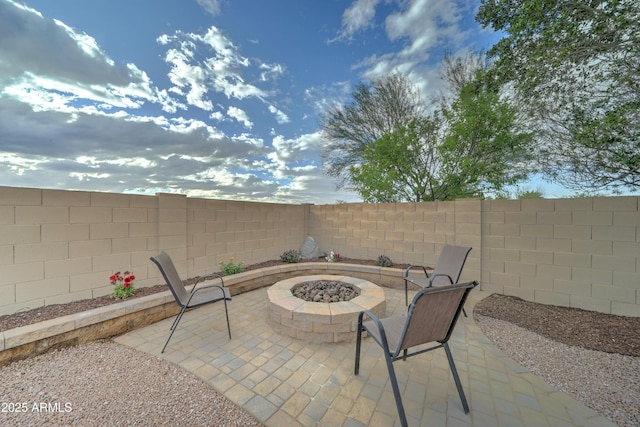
column 40, row 314
column 573, row 326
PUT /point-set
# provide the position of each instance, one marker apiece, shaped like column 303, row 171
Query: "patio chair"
column 432, row 315
column 198, row 296
column 447, row 270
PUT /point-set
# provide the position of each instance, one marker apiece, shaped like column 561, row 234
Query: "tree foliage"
column 376, row 109
column 576, row 64
column 468, row 146
column 482, row 151
column 402, row 165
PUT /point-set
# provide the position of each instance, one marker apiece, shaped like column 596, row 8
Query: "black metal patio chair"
column 432, row 315
column 447, row 271
column 198, row 296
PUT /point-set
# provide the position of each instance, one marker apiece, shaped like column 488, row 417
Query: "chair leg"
column 356, row 369
column 464, row 312
column 226, row 312
column 175, row 321
column 174, row 326
column 396, row 389
column 456, row 378
column 406, row 292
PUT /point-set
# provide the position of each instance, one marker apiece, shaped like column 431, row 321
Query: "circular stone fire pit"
column 321, row 321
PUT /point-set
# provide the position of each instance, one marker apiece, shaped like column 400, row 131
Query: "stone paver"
column 283, row 381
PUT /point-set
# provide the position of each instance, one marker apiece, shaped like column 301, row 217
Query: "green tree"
column 467, row 147
column 376, row 109
column 576, row 65
column 402, row 165
column 483, row 151
column 519, row 193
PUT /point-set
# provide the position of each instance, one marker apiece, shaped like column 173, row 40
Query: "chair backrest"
column 451, row 262
column 433, row 313
column 170, row 274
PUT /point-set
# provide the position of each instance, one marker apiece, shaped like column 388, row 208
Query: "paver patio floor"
column 287, row 382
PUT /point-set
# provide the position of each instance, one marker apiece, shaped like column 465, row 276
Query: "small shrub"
column 123, row 283
column 334, row 257
column 384, row 261
column 291, row 256
column 231, row 267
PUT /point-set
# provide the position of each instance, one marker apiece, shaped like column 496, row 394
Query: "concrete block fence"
column 58, row 246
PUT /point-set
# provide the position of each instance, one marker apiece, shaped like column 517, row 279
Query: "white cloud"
column 292, row 156
column 281, row 117
column 240, row 115
column 85, row 42
column 54, row 49
column 271, row 71
column 357, row 17
column 211, row 6
column 428, row 23
column 19, row 165
column 217, row 115
column 201, row 63
column 424, row 26
column 66, row 69
column 89, row 176
column 313, row 187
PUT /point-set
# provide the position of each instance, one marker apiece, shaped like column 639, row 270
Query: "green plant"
column 291, row 256
column 334, row 257
column 229, row 268
column 384, row 261
column 123, row 283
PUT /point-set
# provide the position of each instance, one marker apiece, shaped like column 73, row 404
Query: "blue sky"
column 210, row 98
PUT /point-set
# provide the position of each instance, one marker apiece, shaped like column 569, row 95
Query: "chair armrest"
column 439, row 275
column 207, row 277
column 194, row 290
column 408, row 269
column 370, row 315
column 383, row 336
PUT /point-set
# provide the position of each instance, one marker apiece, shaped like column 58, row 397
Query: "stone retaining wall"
column 115, row 319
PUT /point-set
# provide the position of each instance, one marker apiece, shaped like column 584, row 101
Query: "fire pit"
column 325, row 291
column 321, row 321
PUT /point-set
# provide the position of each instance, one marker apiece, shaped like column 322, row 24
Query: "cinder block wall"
column 572, row 252
column 406, row 232
column 249, row 232
column 59, row 246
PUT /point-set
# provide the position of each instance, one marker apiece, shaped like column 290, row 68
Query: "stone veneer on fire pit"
column 321, row 321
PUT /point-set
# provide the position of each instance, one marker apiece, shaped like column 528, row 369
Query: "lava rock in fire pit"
column 325, row 291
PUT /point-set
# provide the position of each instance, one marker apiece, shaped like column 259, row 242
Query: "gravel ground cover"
column 608, row 383
column 103, row 383
column 594, row 357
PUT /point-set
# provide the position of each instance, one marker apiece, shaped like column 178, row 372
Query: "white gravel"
column 104, row 383
column 605, row 382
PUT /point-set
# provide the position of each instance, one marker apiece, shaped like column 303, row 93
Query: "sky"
column 210, row 98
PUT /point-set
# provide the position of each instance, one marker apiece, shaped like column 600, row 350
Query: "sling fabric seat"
column 432, row 315
column 447, row 270
column 198, row 296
